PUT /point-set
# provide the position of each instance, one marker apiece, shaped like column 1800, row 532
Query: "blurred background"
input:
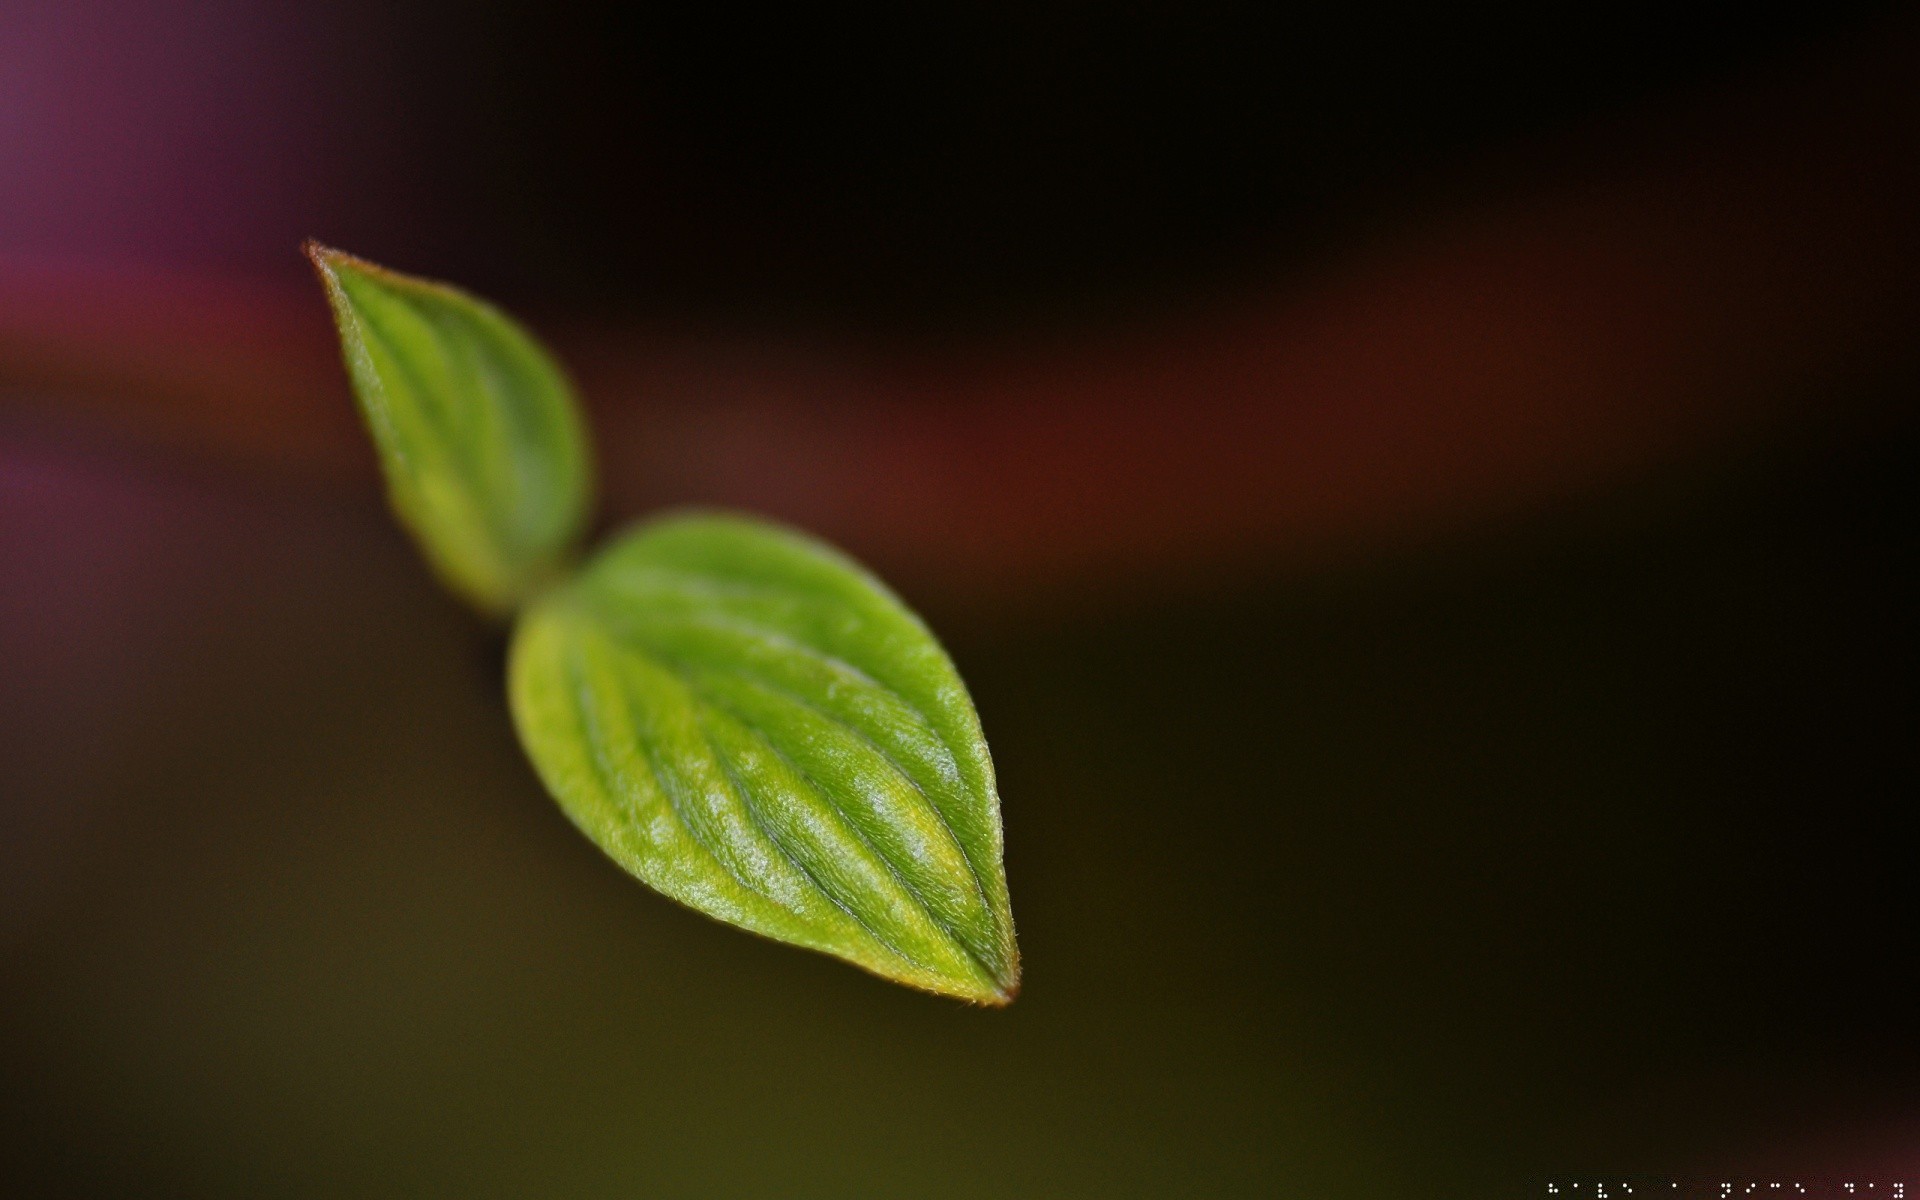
column 1417, row 499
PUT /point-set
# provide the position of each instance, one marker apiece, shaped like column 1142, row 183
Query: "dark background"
column 1431, row 814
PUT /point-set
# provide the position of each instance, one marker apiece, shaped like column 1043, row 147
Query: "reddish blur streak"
column 218, row 366
column 1692, row 282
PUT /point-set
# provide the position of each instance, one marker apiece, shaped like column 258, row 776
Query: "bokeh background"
column 1419, row 498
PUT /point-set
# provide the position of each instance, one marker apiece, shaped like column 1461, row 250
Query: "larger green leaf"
column 480, row 438
column 750, row 723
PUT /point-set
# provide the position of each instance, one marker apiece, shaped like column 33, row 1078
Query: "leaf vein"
column 766, row 831
column 610, row 776
column 762, row 679
column 906, row 886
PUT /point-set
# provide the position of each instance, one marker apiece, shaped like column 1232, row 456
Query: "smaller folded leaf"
column 480, row 438
column 750, row 723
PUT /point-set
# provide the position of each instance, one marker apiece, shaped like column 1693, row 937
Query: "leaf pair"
column 740, row 716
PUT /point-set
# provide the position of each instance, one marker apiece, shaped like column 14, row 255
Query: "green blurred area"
column 1568, row 845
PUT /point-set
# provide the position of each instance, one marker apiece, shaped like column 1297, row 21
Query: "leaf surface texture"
column 479, row 436
column 750, row 723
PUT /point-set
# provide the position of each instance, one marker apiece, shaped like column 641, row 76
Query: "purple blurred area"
column 186, row 134
column 1420, row 500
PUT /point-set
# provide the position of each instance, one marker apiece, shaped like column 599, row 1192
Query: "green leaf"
column 480, row 439
column 750, row 723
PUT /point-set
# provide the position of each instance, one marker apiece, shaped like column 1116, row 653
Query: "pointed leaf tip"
column 750, row 723
column 479, row 436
